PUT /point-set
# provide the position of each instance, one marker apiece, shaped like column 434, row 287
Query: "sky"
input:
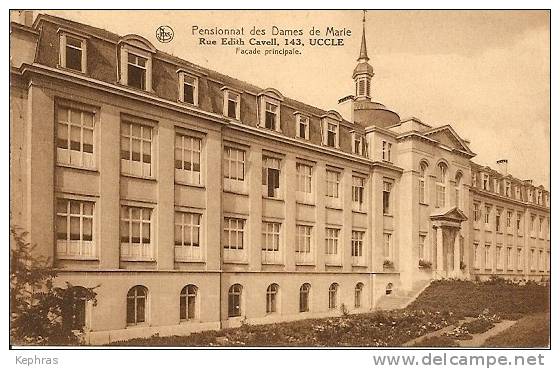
column 484, row 72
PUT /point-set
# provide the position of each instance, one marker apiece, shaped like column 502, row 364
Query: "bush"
column 40, row 314
column 424, row 264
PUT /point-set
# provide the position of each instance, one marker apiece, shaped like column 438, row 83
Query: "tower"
column 364, row 71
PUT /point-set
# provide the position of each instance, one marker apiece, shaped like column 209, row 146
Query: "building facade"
column 196, row 201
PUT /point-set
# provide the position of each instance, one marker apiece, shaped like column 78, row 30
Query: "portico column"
column 456, row 254
column 439, row 249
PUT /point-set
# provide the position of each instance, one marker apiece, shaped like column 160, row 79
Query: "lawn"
column 468, row 298
column 379, row 329
column 443, row 303
column 529, row 331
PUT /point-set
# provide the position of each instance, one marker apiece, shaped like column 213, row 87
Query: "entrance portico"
column 447, row 224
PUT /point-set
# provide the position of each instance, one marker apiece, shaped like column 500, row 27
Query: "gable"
column 448, row 137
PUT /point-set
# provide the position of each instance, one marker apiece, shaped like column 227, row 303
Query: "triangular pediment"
column 447, row 136
column 453, row 214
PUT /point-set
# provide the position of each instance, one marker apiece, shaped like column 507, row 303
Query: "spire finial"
column 363, row 49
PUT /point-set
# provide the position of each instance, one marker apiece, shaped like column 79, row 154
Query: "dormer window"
column 386, row 151
column 271, row 116
column 302, row 126
column 358, row 143
column 332, row 134
column 485, row 181
column 269, row 109
column 508, row 189
column 232, row 103
column 136, row 62
column 137, row 71
column 73, row 52
column 188, row 88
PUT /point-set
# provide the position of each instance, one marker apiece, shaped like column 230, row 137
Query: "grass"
column 530, row 331
column 379, row 329
column 468, row 298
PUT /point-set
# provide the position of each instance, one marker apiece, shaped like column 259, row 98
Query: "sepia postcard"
column 280, row 178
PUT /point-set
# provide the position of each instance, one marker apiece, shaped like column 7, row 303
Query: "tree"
column 40, row 313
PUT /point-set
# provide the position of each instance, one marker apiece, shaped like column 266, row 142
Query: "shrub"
column 437, row 341
column 40, row 314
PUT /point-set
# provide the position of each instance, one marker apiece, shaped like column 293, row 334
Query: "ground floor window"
column 304, row 297
column 187, row 302
column 234, row 300
column 333, row 291
column 136, row 302
column 271, row 298
column 358, row 295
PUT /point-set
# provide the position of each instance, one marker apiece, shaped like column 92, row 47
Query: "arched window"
column 422, row 183
column 441, row 181
column 271, row 298
column 389, row 289
column 187, row 302
column 358, row 295
column 74, row 308
column 304, row 297
column 234, row 300
column 333, row 291
column 136, row 304
column 458, row 179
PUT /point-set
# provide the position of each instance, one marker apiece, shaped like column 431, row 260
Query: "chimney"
column 503, row 166
column 24, row 17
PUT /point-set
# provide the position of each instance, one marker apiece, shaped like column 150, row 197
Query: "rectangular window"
column 387, row 198
column 271, row 116
column 234, row 169
column 487, row 257
column 487, row 209
column 331, row 246
column 476, row 212
column 541, row 233
column 358, row 190
column 232, row 105
column 520, row 261
column 233, row 238
column 303, row 127
column 332, row 135
column 137, row 71
column 135, row 232
column 303, row 244
column 187, row 236
column 509, row 258
column 533, row 218
column 75, row 137
column 476, row 255
column 499, row 257
column 358, row 143
column 498, row 220
column 74, row 229
column 533, row 260
column 190, row 89
column 304, row 179
column 333, row 189
column 73, row 53
column 386, row 152
column 508, row 189
column 509, row 216
column 387, row 246
column 485, row 181
column 136, row 149
column 187, row 159
column 541, row 260
column 422, row 247
column 271, row 177
column 270, row 243
column 519, row 223
column 357, row 248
